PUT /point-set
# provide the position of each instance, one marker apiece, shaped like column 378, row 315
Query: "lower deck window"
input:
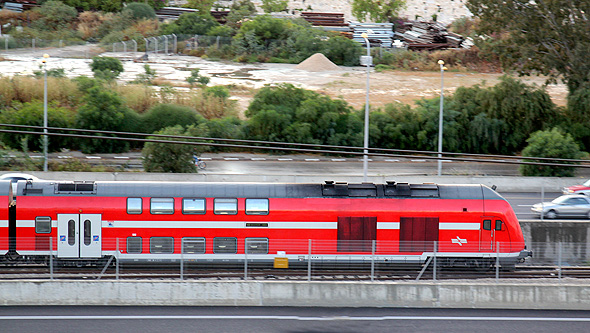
column 193, row 245
column 161, row 245
column 257, row 245
column 43, row 224
column 225, row 245
column 134, row 244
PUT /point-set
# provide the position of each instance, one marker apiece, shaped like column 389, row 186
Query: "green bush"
column 140, row 11
column 169, row 115
column 106, row 68
column 31, row 114
column 190, row 24
column 551, row 144
column 105, row 110
column 55, row 15
column 166, row 157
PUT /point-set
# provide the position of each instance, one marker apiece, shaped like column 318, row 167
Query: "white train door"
column 79, row 236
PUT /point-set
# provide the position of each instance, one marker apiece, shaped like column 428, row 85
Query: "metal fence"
column 305, row 260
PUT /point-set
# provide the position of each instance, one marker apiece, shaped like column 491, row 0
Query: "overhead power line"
column 293, row 147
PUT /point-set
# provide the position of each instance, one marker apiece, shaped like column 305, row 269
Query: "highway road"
column 108, row 319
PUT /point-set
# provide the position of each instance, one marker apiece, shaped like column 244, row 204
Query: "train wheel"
column 481, row 265
column 551, row 214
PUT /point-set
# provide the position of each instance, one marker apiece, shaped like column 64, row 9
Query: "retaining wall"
column 473, row 294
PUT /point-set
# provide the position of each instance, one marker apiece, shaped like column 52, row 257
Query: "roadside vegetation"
column 510, row 118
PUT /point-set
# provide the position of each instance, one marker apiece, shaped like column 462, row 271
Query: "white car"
column 15, row 177
column 570, row 205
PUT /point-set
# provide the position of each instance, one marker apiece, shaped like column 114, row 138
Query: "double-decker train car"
column 337, row 223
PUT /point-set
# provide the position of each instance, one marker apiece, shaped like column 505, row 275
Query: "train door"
column 356, row 234
column 489, row 226
column 79, row 236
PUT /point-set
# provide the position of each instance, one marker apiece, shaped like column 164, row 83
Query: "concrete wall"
column 472, row 294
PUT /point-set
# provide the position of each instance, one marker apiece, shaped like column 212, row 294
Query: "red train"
column 464, row 225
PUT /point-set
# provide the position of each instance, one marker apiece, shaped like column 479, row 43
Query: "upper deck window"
column 162, row 206
column 257, row 206
column 134, row 206
column 193, row 206
column 225, row 206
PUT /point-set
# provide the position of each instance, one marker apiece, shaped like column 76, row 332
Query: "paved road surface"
column 290, row 320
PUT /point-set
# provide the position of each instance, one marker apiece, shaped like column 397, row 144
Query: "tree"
column 202, row 6
column 56, row 15
column 377, row 10
column 168, row 115
column 552, row 144
column 546, row 36
column 191, row 24
column 166, row 157
column 106, row 68
column 141, row 11
column 238, row 12
column 105, row 110
column 273, row 6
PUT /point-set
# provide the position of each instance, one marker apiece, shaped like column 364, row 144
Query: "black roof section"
column 257, row 190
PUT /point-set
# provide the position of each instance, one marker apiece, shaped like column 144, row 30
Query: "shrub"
column 169, row 115
column 552, row 144
column 106, row 68
column 104, row 110
column 140, row 10
column 31, row 114
column 166, row 157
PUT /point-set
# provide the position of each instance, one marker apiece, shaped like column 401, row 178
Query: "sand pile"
column 317, row 63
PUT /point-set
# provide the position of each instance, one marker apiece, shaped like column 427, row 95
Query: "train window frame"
column 162, row 206
column 43, row 224
column 194, row 240
column 256, row 241
column 220, row 245
column 130, row 248
column 218, row 209
column 192, row 211
column 167, row 248
column 498, row 225
column 487, row 224
column 132, row 207
column 257, row 210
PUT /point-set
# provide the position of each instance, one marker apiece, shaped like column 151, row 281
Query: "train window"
column 193, row 206
column 257, row 245
column 193, row 245
column 162, row 205
column 498, row 225
column 134, row 244
column 487, row 225
column 71, row 232
column 43, row 224
column 257, row 206
column 161, row 245
column 225, row 245
column 87, row 232
column 225, row 206
column 134, row 206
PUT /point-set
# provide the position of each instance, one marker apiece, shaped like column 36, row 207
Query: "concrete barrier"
column 530, row 294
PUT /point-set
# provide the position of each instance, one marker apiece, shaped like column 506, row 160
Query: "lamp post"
column 45, row 57
column 367, row 60
column 440, row 115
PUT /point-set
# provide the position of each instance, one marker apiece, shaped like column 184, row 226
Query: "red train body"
column 221, row 222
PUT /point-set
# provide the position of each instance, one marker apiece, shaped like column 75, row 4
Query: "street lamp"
column 45, row 57
column 440, row 115
column 367, row 61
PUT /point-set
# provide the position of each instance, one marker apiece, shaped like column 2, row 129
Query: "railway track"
column 192, row 273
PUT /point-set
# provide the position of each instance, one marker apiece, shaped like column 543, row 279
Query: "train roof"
column 255, row 190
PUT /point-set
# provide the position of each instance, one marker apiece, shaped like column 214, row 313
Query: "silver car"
column 571, row 205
